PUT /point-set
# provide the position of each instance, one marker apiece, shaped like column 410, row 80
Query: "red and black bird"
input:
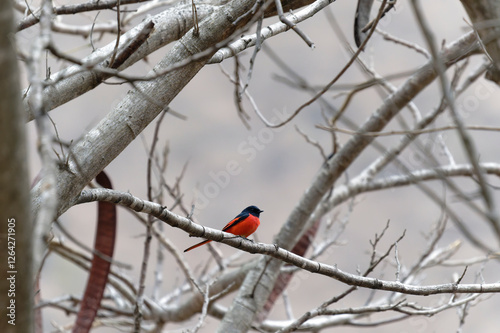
column 243, row 225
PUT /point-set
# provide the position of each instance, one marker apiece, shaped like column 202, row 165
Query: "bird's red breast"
column 245, row 224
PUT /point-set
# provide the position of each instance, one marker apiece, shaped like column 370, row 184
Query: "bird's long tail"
column 197, row 245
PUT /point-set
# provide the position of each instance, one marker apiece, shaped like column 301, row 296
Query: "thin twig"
column 467, row 142
column 118, row 34
column 410, row 132
column 332, row 82
column 291, row 25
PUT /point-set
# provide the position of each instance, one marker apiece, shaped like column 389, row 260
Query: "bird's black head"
column 254, row 210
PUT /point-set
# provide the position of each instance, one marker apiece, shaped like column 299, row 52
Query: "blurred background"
column 275, row 167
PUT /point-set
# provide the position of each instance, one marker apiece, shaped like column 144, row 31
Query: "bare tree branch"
column 127, row 200
column 484, row 15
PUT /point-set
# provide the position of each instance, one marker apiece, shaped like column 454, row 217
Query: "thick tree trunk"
column 16, row 285
column 484, row 15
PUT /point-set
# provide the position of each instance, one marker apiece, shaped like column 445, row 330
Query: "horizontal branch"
column 176, row 221
column 357, row 186
column 411, row 132
column 33, row 18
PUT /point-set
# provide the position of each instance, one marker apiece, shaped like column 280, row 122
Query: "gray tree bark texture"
column 16, row 285
column 484, row 15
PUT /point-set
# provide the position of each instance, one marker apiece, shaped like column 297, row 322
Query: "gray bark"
column 16, row 225
column 484, row 15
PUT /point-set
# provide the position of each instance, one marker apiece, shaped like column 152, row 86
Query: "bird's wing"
column 235, row 221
